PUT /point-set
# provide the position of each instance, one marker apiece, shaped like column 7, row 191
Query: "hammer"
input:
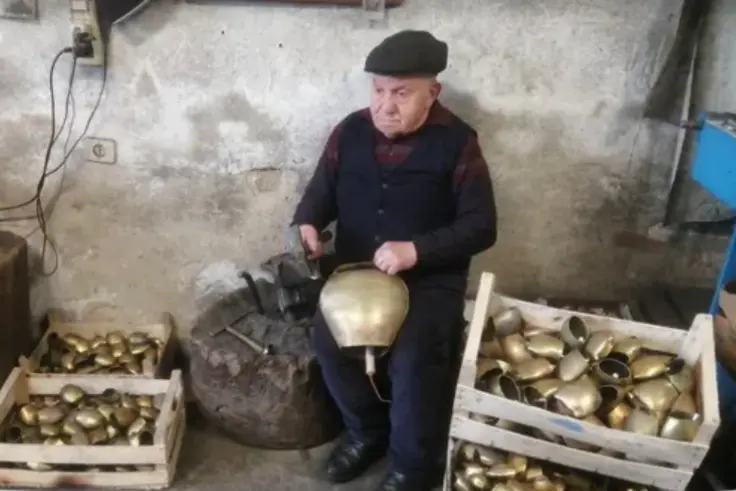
column 258, row 348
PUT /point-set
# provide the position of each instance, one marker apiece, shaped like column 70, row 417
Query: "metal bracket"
column 375, row 10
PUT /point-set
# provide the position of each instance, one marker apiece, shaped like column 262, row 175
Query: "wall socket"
column 101, row 150
column 84, row 19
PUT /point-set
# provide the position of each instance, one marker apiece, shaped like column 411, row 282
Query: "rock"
column 275, row 401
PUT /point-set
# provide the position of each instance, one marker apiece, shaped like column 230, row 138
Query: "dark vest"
column 378, row 203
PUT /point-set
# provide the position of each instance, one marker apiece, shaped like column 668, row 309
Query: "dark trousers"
column 418, row 377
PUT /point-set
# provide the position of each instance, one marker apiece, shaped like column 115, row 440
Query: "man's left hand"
column 394, row 257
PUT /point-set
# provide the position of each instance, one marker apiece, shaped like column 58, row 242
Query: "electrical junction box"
column 87, row 26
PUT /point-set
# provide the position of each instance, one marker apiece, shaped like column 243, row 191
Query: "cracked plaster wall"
column 219, row 113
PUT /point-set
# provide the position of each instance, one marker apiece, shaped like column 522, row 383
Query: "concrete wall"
column 219, row 113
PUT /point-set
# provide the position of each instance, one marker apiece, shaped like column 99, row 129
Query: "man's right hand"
column 310, row 238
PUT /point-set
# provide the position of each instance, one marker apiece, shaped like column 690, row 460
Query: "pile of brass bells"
column 135, row 354
column 76, row 418
column 596, row 376
column 477, row 468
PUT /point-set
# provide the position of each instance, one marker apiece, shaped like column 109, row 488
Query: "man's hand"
column 310, row 238
column 394, row 257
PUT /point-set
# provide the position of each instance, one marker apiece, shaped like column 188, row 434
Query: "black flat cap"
column 408, row 53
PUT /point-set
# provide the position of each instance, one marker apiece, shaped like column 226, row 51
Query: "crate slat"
column 162, row 455
column 695, row 346
column 163, row 329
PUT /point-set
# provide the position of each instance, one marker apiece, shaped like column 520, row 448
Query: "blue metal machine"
column 714, row 168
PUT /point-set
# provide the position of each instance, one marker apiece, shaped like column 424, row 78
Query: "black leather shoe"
column 396, row 481
column 352, row 458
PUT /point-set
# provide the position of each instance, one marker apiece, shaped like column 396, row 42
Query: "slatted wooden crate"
column 153, row 466
column 653, row 461
column 162, row 329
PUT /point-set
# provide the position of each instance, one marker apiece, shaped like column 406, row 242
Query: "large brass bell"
column 364, row 308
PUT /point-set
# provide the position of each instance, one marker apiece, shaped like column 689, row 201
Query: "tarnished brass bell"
column 656, row 395
column 461, row 484
column 514, row 348
column 627, row 349
column 533, row 472
column 148, row 413
column 572, row 366
column 97, row 435
column 102, row 349
column 71, row 428
column 682, row 429
column 515, row 485
column 490, row 348
column 363, row 306
column 138, row 425
column 118, row 350
column 133, row 368
column 540, row 391
column 105, row 360
column 112, row 432
column 612, row 371
column 684, row 406
column 110, row 395
column 137, row 349
column 501, row 471
column 519, row 463
column 501, row 486
column 50, row 415
column 28, row 414
column 90, row 418
column 575, row 331
column 115, row 337
column 468, row 452
column 78, row 439
column 599, row 345
column 54, row 440
column 505, row 386
column 124, row 417
column 71, row 394
column 488, row 367
column 489, row 457
column 97, row 341
column 681, row 376
column 546, row 346
column 642, row 423
column 543, row 483
column 577, row 399
column 138, row 338
column 507, row 322
column 617, row 415
column 143, row 437
column 532, row 370
column 68, row 361
column 106, row 410
column 128, row 401
column 650, row 366
column 50, row 429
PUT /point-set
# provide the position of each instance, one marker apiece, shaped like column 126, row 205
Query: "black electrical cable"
column 52, row 138
column 40, row 214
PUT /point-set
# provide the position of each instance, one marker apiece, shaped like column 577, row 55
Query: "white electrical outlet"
column 101, row 150
column 84, row 19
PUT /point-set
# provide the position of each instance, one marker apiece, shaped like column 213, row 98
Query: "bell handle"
column 354, row 266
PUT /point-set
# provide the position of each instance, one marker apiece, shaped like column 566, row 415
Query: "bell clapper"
column 370, row 370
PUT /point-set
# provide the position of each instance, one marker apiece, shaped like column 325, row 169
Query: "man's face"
column 400, row 105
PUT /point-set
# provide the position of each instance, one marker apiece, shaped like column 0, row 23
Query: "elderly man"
column 410, row 190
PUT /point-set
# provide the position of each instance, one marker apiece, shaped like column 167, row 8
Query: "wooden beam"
column 344, row 3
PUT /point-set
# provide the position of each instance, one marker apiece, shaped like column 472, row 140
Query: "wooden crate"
column 680, row 459
column 161, row 457
column 162, row 329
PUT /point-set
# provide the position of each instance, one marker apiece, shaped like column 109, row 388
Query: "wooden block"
column 15, row 310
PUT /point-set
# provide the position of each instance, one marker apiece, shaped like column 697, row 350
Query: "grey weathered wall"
column 220, row 112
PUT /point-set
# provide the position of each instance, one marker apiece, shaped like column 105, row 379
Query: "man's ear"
column 435, row 90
